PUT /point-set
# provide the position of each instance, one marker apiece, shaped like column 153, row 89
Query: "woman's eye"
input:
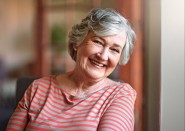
column 98, row 42
column 116, row 50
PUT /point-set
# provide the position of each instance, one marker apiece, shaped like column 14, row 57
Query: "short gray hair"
column 103, row 22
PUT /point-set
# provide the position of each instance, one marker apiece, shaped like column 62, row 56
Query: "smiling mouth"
column 96, row 63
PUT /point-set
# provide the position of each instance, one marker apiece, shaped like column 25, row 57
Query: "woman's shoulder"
column 123, row 88
column 127, row 88
column 44, row 81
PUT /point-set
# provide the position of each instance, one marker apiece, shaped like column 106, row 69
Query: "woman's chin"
column 94, row 75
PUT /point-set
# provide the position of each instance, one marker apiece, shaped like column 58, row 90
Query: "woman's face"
column 97, row 56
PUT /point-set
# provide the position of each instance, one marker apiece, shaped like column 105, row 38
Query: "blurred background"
column 33, row 42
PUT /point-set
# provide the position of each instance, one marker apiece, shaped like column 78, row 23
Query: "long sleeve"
column 19, row 119
column 120, row 114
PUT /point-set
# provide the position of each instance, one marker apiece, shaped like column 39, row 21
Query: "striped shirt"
column 47, row 107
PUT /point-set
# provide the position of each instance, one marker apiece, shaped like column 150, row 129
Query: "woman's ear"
column 75, row 47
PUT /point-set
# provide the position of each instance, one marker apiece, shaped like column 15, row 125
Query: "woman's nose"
column 103, row 54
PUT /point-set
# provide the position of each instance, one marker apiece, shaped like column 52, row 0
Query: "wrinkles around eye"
column 115, row 51
column 98, row 42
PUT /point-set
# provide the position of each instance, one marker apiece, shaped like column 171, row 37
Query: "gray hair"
column 103, row 22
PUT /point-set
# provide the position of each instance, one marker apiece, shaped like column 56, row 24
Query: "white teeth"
column 97, row 63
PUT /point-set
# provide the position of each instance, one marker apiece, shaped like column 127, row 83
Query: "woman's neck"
column 83, row 82
column 78, row 86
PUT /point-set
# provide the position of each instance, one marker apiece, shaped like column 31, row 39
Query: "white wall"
column 152, row 26
column 164, row 65
column 172, row 65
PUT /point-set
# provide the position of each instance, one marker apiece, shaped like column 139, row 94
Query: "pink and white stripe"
column 46, row 106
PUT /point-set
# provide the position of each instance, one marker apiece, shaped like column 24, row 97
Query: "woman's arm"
column 120, row 115
column 19, row 119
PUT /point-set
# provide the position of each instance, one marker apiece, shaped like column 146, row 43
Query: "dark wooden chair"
column 21, row 86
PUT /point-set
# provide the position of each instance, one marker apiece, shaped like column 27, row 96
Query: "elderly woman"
column 85, row 98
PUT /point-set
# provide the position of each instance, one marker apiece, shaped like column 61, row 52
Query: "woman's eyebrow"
column 114, row 44
column 98, row 37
